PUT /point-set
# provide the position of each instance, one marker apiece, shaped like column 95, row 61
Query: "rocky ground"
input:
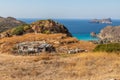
column 85, row 66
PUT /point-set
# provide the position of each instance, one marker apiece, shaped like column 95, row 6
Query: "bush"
column 46, row 32
column 18, row 30
column 112, row 47
column 27, row 27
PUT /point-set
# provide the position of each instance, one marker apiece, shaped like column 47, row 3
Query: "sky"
column 78, row 9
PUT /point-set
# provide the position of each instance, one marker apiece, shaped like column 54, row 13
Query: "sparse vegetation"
column 111, row 47
column 26, row 27
column 90, row 66
column 8, row 23
column 41, row 26
column 18, row 30
column 46, row 32
column 58, row 66
column 59, row 41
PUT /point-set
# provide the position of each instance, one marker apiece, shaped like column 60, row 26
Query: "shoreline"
column 84, row 37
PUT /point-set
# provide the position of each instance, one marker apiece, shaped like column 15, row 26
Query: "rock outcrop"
column 49, row 27
column 102, row 21
column 41, row 26
column 93, row 34
column 110, row 34
column 8, row 23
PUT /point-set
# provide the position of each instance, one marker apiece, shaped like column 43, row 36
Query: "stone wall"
column 34, row 47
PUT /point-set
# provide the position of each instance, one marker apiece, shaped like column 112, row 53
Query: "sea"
column 79, row 28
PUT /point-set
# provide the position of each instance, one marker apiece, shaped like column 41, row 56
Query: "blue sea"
column 80, row 29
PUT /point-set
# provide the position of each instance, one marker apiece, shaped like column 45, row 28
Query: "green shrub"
column 46, row 32
column 112, row 47
column 26, row 27
column 18, row 30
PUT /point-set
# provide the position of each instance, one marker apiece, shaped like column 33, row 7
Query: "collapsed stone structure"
column 34, row 47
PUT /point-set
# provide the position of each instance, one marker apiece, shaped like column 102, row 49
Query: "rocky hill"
column 41, row 26
column 8, row 23
column 41, row 36
column 110, row 34
column 49, row 27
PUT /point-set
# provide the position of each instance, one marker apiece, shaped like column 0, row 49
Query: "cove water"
column 80, row 29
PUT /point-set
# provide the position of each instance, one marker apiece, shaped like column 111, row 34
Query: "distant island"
column 102, row 21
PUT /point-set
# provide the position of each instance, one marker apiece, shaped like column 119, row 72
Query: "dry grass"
column 84, row 66
column 6, row 44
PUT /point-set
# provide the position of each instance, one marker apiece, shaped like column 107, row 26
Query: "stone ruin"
column 34, row 47
column 76, row 50
column 37, row 47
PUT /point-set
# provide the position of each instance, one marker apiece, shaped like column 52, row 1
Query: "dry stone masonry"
column 34, row 47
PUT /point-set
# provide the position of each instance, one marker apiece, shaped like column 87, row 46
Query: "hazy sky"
column 60, row 8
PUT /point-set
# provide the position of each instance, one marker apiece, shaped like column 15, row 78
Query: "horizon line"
column 58, row 18
column 63, row 18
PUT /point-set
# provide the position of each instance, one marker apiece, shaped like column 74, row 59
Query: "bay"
column 80, row 28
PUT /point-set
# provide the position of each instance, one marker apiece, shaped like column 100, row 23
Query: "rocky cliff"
column 49, row 27
column 111, row 34
column 8, row 23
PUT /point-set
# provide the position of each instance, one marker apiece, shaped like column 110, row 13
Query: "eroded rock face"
column 111, row 34
column 49, row 27
column 8, row 23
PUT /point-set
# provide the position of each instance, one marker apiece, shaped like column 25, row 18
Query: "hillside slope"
column 41, row 26
column 61, row 42
column 90, row 66
column 8, row 23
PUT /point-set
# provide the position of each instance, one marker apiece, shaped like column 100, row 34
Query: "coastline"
column 79, row 28
column 84, row 37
